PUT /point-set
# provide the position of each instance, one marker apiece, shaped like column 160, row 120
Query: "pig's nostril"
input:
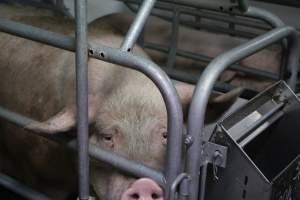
column 155, row 196
column 135, row 196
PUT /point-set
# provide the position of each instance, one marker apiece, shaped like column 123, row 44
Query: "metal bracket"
column 215, row 154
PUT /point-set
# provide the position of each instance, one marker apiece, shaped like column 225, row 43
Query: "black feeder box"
column 263, row 141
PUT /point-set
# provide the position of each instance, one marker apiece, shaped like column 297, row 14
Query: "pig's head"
column 131, row 122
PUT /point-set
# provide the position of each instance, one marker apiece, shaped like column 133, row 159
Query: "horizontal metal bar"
column 37, row 34
column 126, row 59
column 131, row 167
column 20, row 189
column 14, row 117
column 236, row 67
column 215, row 15
column 123, row 164
column 292, row 3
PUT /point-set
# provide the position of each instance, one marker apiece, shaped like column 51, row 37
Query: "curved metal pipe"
column 169, row 94
column 205, row 85
column 274, row 21
column 117, row 56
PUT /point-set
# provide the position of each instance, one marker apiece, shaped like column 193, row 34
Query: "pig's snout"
column 143, row 189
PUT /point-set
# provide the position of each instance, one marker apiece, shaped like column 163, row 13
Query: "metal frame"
column 271, row 20
column 164, row 84
column 172, row 176
column 205, row 85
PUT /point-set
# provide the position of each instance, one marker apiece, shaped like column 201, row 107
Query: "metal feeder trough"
column 263, row 161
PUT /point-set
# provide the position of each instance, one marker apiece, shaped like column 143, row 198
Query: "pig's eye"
column 165, row 135
column 107, row 137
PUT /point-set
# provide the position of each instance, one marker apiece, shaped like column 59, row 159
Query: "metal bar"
column 169, row 94
column 204, row 87
column 137, row 25
column 274, row 21
column 82, row 98
column 37, row 34
column 203, row 181
column 176, row 183
column 123, row 164
column 20, row 188
column 264, row 15
column 14, row 117
column 292, row 3
column 236, row 67
column 174, row 38
column 215, row 15
column 157, row 75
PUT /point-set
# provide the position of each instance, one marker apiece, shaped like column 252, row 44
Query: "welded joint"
column 214, row 154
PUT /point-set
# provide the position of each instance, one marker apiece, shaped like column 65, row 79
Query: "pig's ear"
column 64, row 120
column 219, row 103
column 185, row 92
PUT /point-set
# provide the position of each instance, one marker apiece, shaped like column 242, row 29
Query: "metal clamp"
column 214, row 154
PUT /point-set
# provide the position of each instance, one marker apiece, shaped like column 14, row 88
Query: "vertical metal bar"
column 274, row 21
column 173, row 165
column 82, row 97
column 173, row 46
column 137, row 25
column 20, row 189
column 204, row 88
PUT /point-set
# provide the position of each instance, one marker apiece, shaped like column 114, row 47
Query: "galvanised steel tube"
column 203, row 58
column 14, row 118
column 169, row 94
column 274, row 21
column 21, row 189
column 157, row 75
column 37, row 34
column 173, row 43
column 137, row 25
column 204, row 87
column 217, row 15
column 123, row 164
column 264, row 15
column 82, row 97
column 134, row 168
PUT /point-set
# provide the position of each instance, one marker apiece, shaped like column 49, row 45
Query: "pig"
column 205, row 43
column 127, row 114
